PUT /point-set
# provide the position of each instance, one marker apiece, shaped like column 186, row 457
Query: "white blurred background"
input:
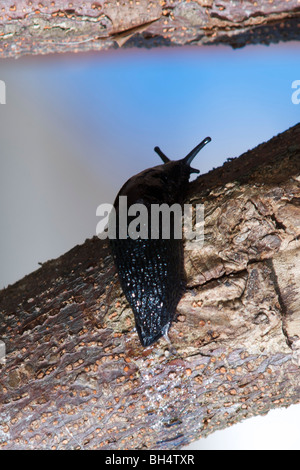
column 75, row 127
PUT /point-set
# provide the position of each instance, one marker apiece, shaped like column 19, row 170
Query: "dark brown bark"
column 40, row 27
column 75, row 374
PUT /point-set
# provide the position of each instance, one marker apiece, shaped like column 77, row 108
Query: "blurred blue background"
column 75, row 127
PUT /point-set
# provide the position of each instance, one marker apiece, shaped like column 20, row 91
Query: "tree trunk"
column 33, row 27
column 75, row 374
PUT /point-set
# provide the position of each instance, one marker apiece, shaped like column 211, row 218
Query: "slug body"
column 151, row 270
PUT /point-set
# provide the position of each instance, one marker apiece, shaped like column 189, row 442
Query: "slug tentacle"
column 164, row 158
column 190, row 156
column 151, row 269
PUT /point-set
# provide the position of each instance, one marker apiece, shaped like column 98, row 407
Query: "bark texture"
column 75, row 374
column 40, row 27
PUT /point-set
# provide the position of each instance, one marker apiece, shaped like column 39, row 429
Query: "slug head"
column 164, row 183
column 190, row 156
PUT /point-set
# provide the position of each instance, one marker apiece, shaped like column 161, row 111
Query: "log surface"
column 35, row 27
column 75, row 375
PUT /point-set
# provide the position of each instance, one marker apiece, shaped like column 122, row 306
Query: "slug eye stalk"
column 190, row 156
column 164, row 158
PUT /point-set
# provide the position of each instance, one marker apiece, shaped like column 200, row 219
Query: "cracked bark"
column 75, row 374
column 37, row 27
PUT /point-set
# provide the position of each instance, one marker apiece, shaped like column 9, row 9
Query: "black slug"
column 150, row 267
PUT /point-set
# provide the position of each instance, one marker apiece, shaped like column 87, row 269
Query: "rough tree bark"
column 75, row 374
column 44, row 26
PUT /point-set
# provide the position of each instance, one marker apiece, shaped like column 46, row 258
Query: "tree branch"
column 75, row 374
column 62, row 26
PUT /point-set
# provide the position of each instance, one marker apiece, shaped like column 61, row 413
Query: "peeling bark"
column 75, row 374
column 35, row 27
